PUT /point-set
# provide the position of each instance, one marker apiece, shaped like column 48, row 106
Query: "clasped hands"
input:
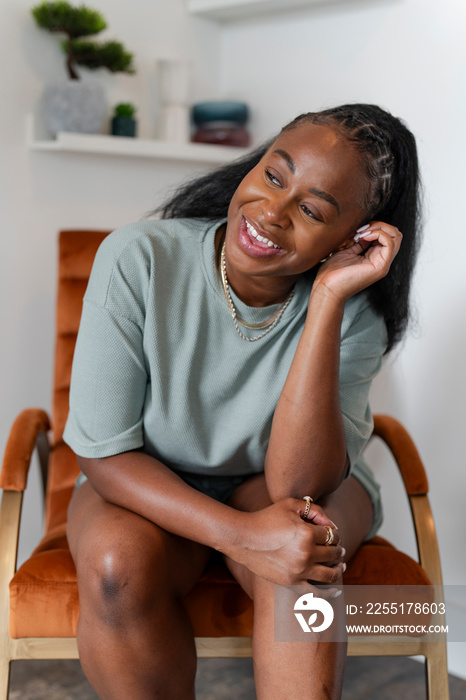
column 278, row 545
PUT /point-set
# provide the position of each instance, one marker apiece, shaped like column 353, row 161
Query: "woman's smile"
column 252, row 239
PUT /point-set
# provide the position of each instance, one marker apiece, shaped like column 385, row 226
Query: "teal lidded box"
column 221, row 111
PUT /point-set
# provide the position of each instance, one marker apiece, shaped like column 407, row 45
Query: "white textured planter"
column 75, row 106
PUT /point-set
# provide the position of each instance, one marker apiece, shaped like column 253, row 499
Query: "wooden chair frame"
column 407, row 458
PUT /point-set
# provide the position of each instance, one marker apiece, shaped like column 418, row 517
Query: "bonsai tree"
column 77, row 22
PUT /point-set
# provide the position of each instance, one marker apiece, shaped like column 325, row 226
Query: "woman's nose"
column 275, row 211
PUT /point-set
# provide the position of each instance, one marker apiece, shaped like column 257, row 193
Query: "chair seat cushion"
column 44, row 593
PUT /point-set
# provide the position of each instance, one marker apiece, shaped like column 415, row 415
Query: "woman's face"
column 303, row 200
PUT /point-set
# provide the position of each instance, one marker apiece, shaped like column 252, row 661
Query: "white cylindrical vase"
column 174, row 81
column 174, row 123
column 175, row 78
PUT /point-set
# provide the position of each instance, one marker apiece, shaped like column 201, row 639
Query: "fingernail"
column 336, row 594
column 343, row 552
column 362, row 228
column 344, row 567
column 335, row 527
column 361, row 235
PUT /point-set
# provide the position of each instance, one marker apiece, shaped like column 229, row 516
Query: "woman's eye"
column 270, row 176
column 308, row 212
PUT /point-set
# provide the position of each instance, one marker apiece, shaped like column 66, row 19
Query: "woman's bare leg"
column 297, row 670
column 135, row 640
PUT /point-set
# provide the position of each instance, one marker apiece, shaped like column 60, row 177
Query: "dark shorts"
column 218, row 487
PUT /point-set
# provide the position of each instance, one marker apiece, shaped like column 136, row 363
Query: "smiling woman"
column 219, row 397
column 306, row 196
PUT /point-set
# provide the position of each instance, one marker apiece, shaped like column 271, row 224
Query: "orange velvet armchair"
column 39, row 605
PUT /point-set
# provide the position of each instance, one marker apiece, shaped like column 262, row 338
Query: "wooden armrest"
column 405, row 453
column 21, row 443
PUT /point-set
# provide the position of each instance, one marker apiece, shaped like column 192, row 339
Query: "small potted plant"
column 123, row 121
column 76, row 105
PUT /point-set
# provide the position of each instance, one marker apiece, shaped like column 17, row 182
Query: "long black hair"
column 388, row 150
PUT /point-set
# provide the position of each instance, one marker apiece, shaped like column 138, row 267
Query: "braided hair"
column 389, row 155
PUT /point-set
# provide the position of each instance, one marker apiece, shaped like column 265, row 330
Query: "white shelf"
column 139, row 148
column 229, row 10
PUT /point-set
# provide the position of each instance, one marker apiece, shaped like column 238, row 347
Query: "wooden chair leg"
column 4, row 678
column 437, row 672
column 10, row 515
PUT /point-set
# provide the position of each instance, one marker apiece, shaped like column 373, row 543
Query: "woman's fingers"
column 326, row 532
column 377, row 248
column 319, row 573
column 326, row 536
column 366, row 261
column 315, row 515
column 392, row 231
column 387, row 235
column 328, row 555
column 326, row 540
column 324, row 545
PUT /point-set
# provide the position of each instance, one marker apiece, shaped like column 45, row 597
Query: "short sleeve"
column 109, row 376
column 108, row 386
column 363, row 343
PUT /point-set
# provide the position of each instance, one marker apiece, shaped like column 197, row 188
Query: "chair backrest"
column 77, row 250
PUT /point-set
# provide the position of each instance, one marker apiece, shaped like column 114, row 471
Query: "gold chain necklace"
column 269, row 324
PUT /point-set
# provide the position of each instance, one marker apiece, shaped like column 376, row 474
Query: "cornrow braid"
column 371, row 140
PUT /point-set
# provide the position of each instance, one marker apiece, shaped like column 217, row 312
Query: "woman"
column 221, row 375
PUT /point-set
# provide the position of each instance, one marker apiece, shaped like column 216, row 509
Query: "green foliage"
column 110, row 55
column 124, row 109
column 62, row 17
column 78, row 22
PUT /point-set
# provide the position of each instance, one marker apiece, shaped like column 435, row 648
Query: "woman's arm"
column 274, row 543
column 307, row 449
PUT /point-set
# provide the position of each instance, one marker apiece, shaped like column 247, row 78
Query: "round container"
column 222, row 133
column 221, row 111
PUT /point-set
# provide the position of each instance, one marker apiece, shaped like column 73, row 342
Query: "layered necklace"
column 269, row 324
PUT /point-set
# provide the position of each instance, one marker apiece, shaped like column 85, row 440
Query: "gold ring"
column 308, row 500
column 330, row 536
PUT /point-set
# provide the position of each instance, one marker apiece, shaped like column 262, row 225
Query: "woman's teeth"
column 261, row 239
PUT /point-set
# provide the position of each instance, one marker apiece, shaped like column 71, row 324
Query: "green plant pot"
column 123, row 126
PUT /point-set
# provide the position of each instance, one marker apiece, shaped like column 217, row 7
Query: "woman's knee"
column 120, row 581
column 127, row 566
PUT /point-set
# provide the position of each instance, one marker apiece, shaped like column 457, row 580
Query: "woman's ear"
column 346, row 244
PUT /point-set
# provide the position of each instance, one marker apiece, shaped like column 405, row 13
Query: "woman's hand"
column 278, row 545
column 366, row 261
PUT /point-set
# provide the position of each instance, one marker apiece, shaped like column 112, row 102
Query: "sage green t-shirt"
column 159, row 364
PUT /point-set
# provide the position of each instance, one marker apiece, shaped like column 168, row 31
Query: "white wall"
column 409, row 57
column 406, row 55
column 41, row 193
